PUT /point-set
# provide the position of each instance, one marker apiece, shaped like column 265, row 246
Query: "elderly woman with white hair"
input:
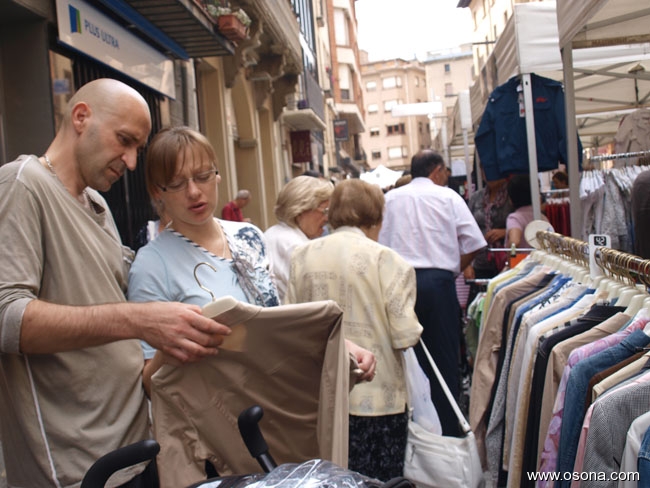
column 301, row 209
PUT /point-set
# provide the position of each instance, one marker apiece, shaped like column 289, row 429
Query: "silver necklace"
column 49, row 164
column 85, row 200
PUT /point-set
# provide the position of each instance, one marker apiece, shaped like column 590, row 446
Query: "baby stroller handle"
column 248, row 422
column 102, row 469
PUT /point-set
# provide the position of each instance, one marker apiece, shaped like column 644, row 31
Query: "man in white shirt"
column 431, row 227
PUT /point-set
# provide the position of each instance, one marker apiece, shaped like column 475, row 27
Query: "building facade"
column 246, row 88
column 345, row 86
column 448, row 73
column 392, row 141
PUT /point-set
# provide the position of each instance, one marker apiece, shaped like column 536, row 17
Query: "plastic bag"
column 419, row 394
column 310, row 474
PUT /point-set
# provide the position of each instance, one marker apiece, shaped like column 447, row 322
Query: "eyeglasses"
column 198, row 179
column 323, row 210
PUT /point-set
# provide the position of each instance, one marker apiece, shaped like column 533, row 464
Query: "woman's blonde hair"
column 166, row 148
column 356, row 203
column 299, row 195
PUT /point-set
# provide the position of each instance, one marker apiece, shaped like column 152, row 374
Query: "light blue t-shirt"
column 163, row 270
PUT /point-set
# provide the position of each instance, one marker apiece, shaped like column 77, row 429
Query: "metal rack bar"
column 608, row 157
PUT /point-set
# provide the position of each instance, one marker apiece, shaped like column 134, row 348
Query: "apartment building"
column 392, row 141
column 346, row 86
column 448, row 72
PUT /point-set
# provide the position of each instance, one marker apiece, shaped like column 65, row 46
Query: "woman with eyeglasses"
column 301, row 208
column 182, row 179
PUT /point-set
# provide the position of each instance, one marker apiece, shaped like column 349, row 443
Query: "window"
column 391, row 82
column 374, row 131
column 417, row 81
column 341, row 34
column 447, row 68
column 420, row 127
column 449, row 89
column 376, row 154
column 397, row 152
column 395, row 129
column 371, row 86
column 389, row 104
column 373, row 108
column 344, row 81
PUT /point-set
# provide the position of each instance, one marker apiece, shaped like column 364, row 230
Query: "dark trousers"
column 438, row 311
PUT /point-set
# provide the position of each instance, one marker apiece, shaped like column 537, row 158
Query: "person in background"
column 403, row 180
column 233, row 210
column 490, row 207
column 375, row 288
column 301, row 208
column 560, row 180
column 70, row 362
column 313, row 173
column 519, row 194
column 640, row 207
column 430, row 226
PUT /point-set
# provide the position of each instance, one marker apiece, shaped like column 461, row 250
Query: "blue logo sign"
column 75, row 19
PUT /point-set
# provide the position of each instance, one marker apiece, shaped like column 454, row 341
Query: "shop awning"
column 180, row 27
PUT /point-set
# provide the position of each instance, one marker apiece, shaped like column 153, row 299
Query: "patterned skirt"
column 377, row 445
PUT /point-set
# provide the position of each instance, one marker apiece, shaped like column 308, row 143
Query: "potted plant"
column 233, row 23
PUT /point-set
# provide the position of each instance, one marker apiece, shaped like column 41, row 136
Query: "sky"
column 407, row 29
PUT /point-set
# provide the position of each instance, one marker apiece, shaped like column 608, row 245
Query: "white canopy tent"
column 381, row 176
column 623, row 82
column 606, row 77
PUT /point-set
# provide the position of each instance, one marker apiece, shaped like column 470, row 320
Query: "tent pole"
column 532, row 145
column 468, row 164
column 572, row 142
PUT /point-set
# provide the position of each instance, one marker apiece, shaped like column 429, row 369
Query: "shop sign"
column 341, row 130
column 301, row 146
column 87, row 30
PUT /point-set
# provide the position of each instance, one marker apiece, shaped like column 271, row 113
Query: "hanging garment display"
column 553, row 344
column 501, row 139
column 633, row 134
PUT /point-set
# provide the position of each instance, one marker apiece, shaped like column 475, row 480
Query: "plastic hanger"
column 614, row 290
column 626, row 294
column 636, row 303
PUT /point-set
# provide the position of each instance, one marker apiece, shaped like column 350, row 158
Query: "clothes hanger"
column 629, row 290
column 637, row 302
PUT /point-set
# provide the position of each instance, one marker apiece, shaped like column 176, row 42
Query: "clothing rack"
column 608, row 157
column 509, row 249
column 619, row 265
column 565, row 191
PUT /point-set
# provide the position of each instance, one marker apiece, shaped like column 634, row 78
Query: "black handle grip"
column 102, row 469
column 248, row 422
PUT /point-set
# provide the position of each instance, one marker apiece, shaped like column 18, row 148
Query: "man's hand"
column 366, row 359
column 177, row 329
column 180, row 330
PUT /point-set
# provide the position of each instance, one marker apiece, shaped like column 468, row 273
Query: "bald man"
column 70, row 362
